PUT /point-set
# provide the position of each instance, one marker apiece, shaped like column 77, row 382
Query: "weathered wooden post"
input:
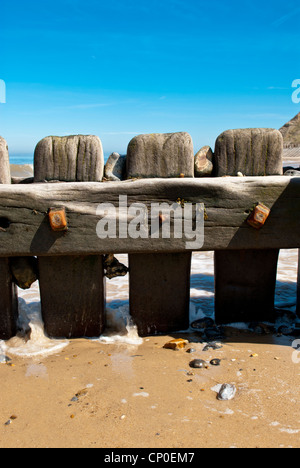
column 8, row 290
column 245, row 280
column 159, row 284
column 298, row 286
column 72, row 287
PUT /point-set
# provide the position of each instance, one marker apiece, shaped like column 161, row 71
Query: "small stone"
column 198, row 364
column 203, row 162
column 202, row 323
column 212, row 345
column 176, row 344
column 214, row 333
column 227, row 392
column 285, row 330
column 215, row 362
column 115, row 168
column 4, row 359
column 253, row 355
column 191, row 350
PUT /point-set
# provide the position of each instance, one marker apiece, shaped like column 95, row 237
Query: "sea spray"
column 120, row 327
column 31, row 340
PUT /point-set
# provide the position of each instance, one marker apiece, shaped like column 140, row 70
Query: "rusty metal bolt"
column 259, row 216
column 58, row 219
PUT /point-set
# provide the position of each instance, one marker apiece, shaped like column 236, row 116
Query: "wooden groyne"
column 49, row 228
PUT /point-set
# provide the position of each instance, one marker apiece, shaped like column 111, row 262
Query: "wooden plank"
column 8, row 302
column 227, row 201
column 159, row 292
column 245, row 282
column 72, row 296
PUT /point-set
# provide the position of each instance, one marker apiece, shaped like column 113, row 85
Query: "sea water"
column 120, row 328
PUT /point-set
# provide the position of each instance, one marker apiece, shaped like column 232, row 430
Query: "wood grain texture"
column 8, row 302
column 74, row 158
column 228, row 201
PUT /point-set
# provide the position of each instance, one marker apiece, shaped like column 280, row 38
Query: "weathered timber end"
column 228, row 203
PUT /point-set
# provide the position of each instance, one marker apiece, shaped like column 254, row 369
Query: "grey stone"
column 292, row 173
column 203, row 162
column 115, row 168
column 75, row 158
column 253, row 152
column 5, row 177
column 24, row 271
column 227, row 392
column 166, row 155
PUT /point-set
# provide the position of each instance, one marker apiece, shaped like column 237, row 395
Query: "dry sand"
column 142, row 396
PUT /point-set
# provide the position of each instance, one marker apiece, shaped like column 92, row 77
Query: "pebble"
column 176, row 344
column 4, row 359
column 227, row 392
column 215, row 362
column 198, row 364
column 285, row 330
column 202, row 323
column 212, row 345
column 213, row 333
column 191, row 350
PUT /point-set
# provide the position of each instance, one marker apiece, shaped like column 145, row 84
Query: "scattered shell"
column 253, row 355
column 198, row 364
column 215, row 362
column 227, row 392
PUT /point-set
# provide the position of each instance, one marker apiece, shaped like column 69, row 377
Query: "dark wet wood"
column 228, row 202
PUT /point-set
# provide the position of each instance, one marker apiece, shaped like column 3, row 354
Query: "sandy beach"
column 121, row 391
column 97, row 395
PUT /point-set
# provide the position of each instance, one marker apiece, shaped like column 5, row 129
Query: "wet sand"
column 144, row 396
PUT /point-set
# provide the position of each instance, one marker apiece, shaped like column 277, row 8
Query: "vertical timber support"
column 298, row 286
column 245, row 280
column 160, row 292
column 159, row 284
column 72, row 287
column 72, row 295
column 8, row 290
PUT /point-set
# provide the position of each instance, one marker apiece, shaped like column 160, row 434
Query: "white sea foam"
column 120, row 328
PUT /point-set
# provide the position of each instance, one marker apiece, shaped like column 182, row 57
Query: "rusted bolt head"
column 259, row 216
column 58, row 219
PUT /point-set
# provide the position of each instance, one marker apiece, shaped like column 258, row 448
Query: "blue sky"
column 120, row 68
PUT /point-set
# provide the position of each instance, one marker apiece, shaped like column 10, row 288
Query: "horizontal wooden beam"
column 25, row 228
